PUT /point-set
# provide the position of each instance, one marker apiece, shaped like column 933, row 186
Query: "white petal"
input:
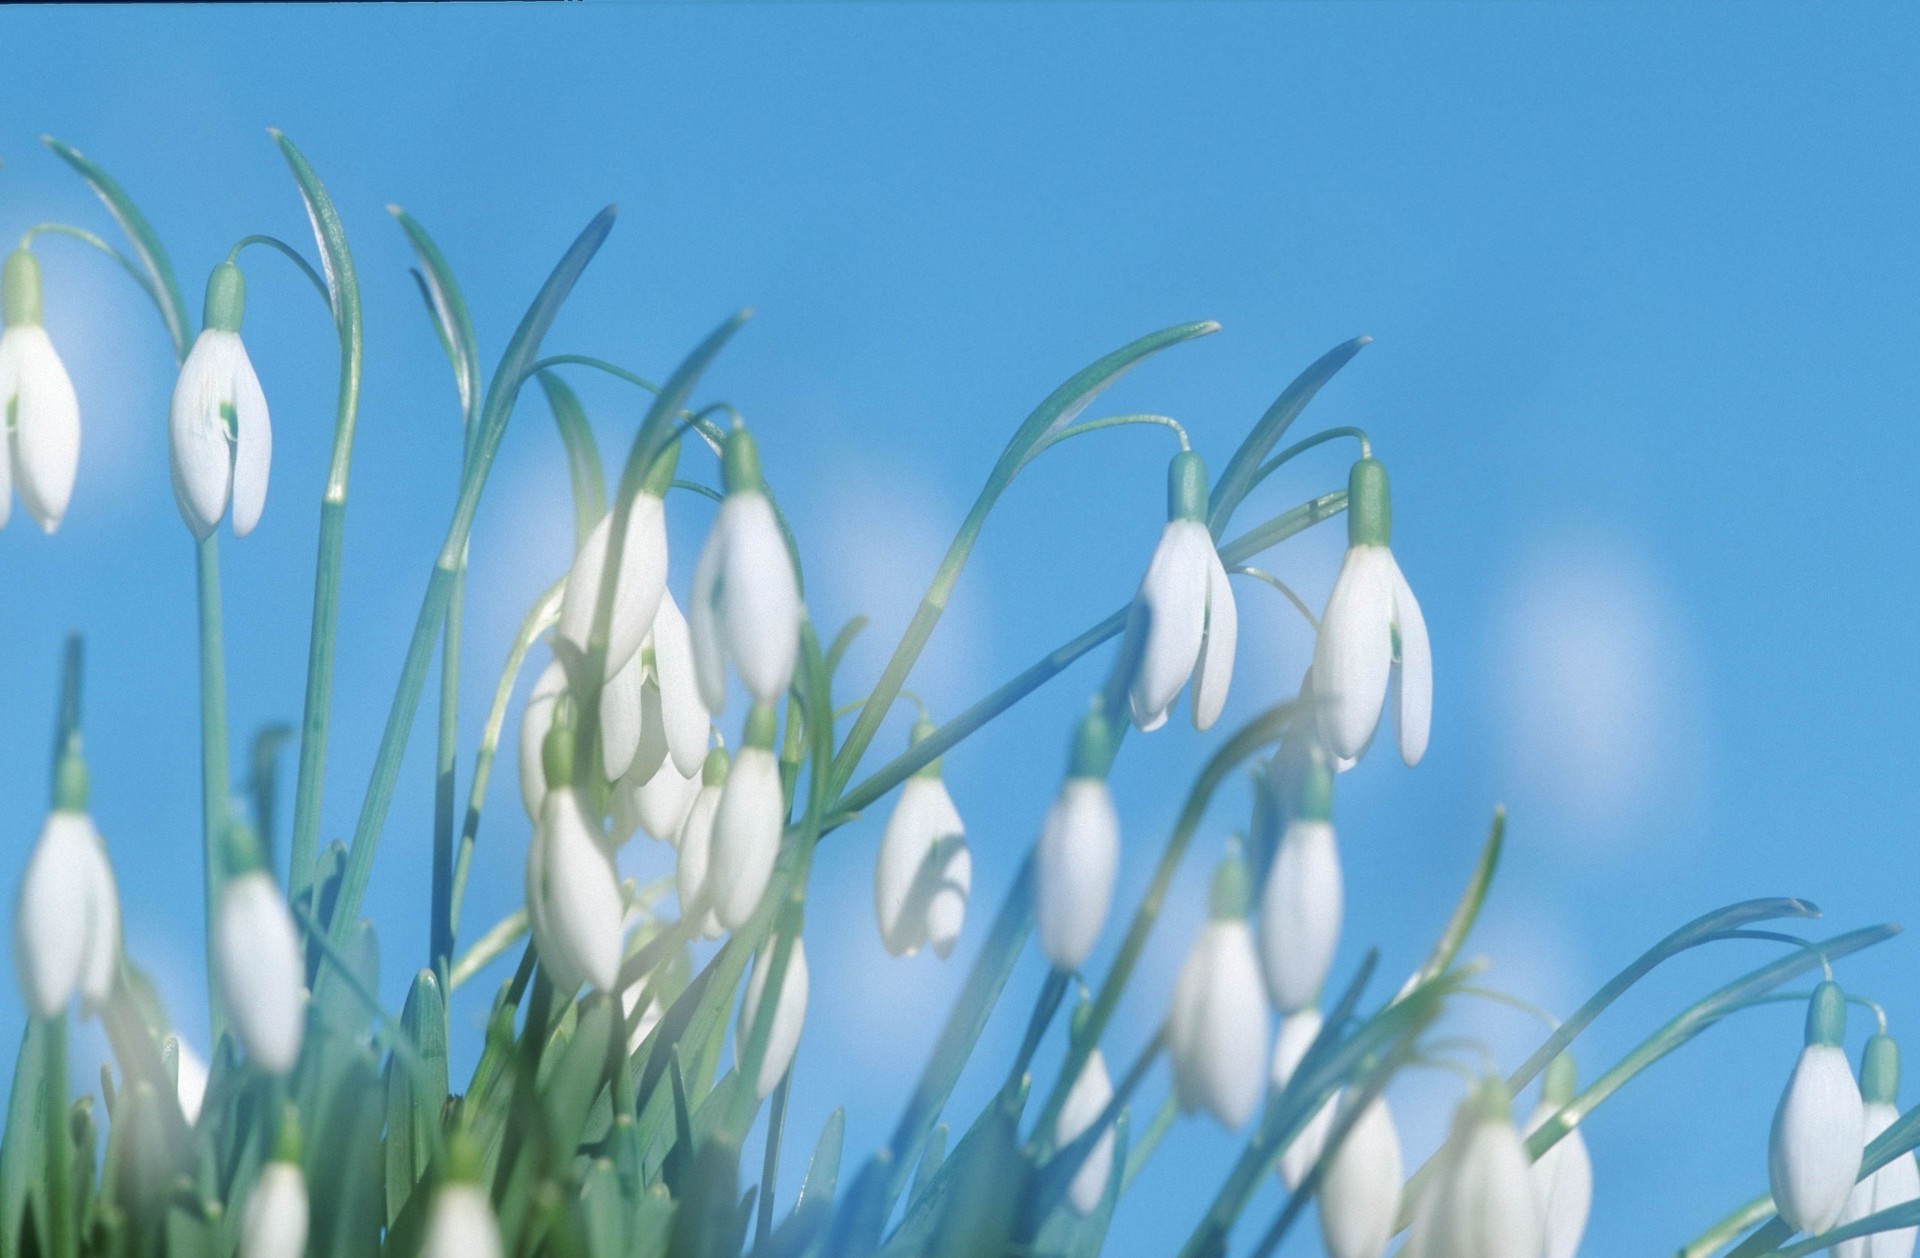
column 636, row 591
column 190, row 1082
column 262, row 972
column 687, row 721
column 1220, row 1053
column 1353, row 653
column 789, row 1014
column 1086, row 1100
column 620, row 718
column 953, row 885
column 905, row 878
column 1300, row 913
column 658, row 805
column 1896, row 1183
column 202, row 455
column 1214, row 673
column 703, row 617
column 1297, row 1032
column 1813, row 1157
column 695, row 859
column 462, row 1225
column 50, row 936
column 580, row 914
column 1360, row 1190
column 275, row 1222
column 253, row 451
column 535, row 721
column 1173, row 605
column 1563, row 1181
column 760, row 599
column 1075, row 864
column 46, row 436
column 1482, row 1205
column 746, row 836
column 1413, row 715
column 102, row 925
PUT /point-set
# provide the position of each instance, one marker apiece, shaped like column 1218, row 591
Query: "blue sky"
column 1642, row 286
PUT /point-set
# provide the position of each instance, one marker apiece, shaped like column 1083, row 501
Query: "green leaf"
column 844, row 640
column 1231, row 488
column 603, row 1211
column 709, row 1223
column 24, row 1148
column 336, row 259
column 344, row 1168
column 449, row 310
column 160, row 284
column 823, row 1169
column 589, row 479
column 1467, row 911
column 1068, row 1235
column 936, row 1153
column 413, row 1112
column 579, row 1073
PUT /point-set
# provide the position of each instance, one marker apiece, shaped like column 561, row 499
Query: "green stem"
column 503, row 935
column 86, row 237
column 1143, row 1148
column 215, row 786
column 290, row 254
column 1106, row 421
column 59, row 1149
column 442, row 924
column 1299, row 448
column 1722, row 1233
column 770, row 1162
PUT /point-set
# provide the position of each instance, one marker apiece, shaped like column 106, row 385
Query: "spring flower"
column 1814, row 1155
column 573, row 894
column 747, row 825
column 636, row 592
column 1372, row 623
column 658, row 805
column 1300, row 908
column 924, row 874
column 1079, row 851
column 789, row 1013
column 462, row 1224
column 1893, row 1184
column 1086, row 1101
column 1183, row 620
column 1563, row 1175
column 261, row 965
column 535, row 720
column 1217, row 1031
column 1481, row 1202
column 695, row 857
column 746, row 599
column 1360, row 1189
column 659, row 710
column 190, row 1082
column 222, row 438
column 1298, row 1031
column 274, row 1223
column 39, row 414
column 66, row 922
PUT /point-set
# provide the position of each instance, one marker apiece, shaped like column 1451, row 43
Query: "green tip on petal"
column 20, row 290
column 1491, row 1102
column 1880, row 1070
column 1369, row 505
column 286, row 1142
column 244, row 853
column 1092, row 747
column 714, row 771
column 660, row 472
column 1313, row 801
column 762, row 724
column 226, row 299
column 740, row 463
column 1827, row 1015
column 464, row 1162
column 556, row 750
column 1561, row 1081
column 70, row 778
column 1187, row 487
column 1231, row 895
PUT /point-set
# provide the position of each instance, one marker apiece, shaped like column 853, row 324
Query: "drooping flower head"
column 1183, row 621
column 746, row 599
column 789, row 1011
column 1298, row 1031
column 1563, row 1175
column 262, row 967
column 1896, row 1183
column 747, row 825
column 222, row 439
column 620, row 607
column 1301, row 907
column 39, row 413
column 574, row 906
column 1372, row 635
column 275, row 1221
column 694, row 859
column 925, row 873
column 1217, row 1030
column 461, row 1223
column 1480, row 1202
column 1078, row 854
column 1086, row 1101
column 66, row 922
column 1360, row 1189
column 1813, row 1157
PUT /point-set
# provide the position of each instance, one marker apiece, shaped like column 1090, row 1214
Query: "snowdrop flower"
column 1086, row 1100
column 1360, row 1189
column 924, row 874
column 1372, row 623
column 1896, row 1182
column 573, row 894
column 658, row 805
column 1079, row 851
column 262, row 967
column 1298, row 1031
column 1301, row 907
column 1481, row 1202
column 462, row 1224
column 659, row 721
column 695, row 857
column 222, row 438
column 66, row 922
column 39, row 414
column 274, row 1223
column 1183, row 620
column 789, row 1013
column 1814, row 1155
column 1563, row 1175
column 1217, row 1031
column 746, row 599
column 747, row 825
column 190, row 1080
column 535, row 720
column 629, row 600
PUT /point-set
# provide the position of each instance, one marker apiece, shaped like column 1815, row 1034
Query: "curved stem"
column 1300, row 447
column 1095, row 425
column 508, row 931
column 598, row 364
column 1513, row 1002
column 292, row 255
column 1299, row 604
column 86, row 237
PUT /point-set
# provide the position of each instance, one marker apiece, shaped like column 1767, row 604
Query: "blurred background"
column 1643, row 287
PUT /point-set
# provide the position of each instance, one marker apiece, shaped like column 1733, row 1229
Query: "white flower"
column 222, row 439
column 1298, row 1030
column 635, row 594
column 262, row 971
column 275, row 1222
column 657, row 805
column 1563, row 1175
column 695, row 857
column 746, row 599
column 535, row 720
column 924, row 874
column 39, row 414
column 1360, row 1189
column 462, row 1224
column 1079, row 853
column 746, row 828
column 658, row 708
column 1480, row 1202
column 1217, row 1030
column 789, row 1014
column 1300, row 913
column 1371, row 623
column 573, row 897
column 622, row 717
column 1895, row 1183
column 1813, row 1157
column 190, row 1082
column 1086, row 1100
column 1183, row 620
column 66, row 923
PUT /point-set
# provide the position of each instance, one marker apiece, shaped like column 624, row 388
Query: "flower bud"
column 746, row 598
column 573, row 897
column 1298, row 1031
column 66, row 922
column 1300, row 912
column 1360, row 1189
column 1078, row 855
column 629, row 602
column 924, row 874
column 261, row 964
column 1896, row 1183
column 789, row 1013
column 746, row 829
column 1086, row 1101
column 275, row 1222
column 1813, row 1157
column 693, row 868
column 1480, row 1202
column 1563, row 1175
column 1217, row 1030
